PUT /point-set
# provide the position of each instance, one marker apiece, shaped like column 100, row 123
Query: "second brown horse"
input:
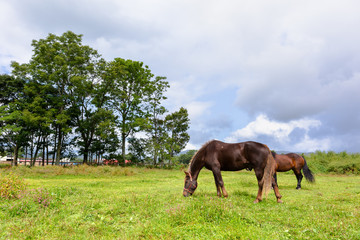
column 295, row 162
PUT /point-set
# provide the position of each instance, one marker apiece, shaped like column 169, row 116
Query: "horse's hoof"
column 257, row 200
column 298, row 188
column 279, row 201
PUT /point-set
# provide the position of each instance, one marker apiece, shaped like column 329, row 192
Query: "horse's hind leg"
column 259, row 195
column 276, row 190
column 259, row 175
column 299, row 178
column 275, row 178
column 219, row 182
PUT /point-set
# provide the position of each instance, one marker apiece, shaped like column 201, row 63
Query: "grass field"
column 137, row 203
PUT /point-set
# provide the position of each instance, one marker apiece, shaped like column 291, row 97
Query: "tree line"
column 67, row 100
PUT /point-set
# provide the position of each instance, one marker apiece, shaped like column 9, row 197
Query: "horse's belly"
column 233, row 167
column 234, row 163
column 284, row 168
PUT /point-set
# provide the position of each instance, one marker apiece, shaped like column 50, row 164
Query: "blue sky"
column 285, row 73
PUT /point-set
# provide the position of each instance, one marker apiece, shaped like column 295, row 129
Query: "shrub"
column 11, row 185
column 331, row 162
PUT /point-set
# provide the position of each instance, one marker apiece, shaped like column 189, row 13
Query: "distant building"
column 6, row 159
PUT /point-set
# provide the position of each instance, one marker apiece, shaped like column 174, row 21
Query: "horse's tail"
column 308, row 174
column 268, row 173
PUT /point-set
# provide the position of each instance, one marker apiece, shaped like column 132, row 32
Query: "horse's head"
column 190, row 185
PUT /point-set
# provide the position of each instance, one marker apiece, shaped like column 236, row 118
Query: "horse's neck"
column 195, row 168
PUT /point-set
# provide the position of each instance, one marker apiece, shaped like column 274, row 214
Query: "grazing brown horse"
column 219, row 156
column 295, row 162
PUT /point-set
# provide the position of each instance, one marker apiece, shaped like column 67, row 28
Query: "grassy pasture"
column 137, row 203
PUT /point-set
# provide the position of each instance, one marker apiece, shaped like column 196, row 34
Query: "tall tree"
column 12, row 127
column 131, row 84
column 106, row 138
column 138, row 149
column 177, row 125
column 69, row 67
column 88, row 99
column 155, row 128
column 38, row 114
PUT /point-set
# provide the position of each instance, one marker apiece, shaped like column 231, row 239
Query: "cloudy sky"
column 284, row 73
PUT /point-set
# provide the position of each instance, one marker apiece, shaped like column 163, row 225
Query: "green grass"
column 137, row 203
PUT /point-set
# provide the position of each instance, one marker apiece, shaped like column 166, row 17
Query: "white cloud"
column 311, row 145
column 197, row 109
column 292, row 61
column 279, row 133
column 191, row 146
column 278, row 130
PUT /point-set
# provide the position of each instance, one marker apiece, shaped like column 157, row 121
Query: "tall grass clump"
column 78, row 170
column 19, row 200
column 11, row 185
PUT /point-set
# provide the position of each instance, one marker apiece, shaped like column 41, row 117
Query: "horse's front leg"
column 217, row 186
column 219, row 182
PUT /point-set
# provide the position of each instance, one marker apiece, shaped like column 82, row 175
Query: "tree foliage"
column 67, row 97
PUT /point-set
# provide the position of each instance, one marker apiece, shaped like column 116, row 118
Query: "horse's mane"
column 198, row 152
column 273, row 153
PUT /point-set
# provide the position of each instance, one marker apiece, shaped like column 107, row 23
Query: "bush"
column 11, row 186
column 331, row 162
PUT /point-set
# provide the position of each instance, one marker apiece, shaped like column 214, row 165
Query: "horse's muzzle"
column 186, row 193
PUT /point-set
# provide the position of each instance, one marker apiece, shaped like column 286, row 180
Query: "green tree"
column 11, row 88
column 88, row 99
column 155, row 128
column 37, row 116
column 177, row 124
column 138, row 149
column 70, row 68
column 12, row 127
column 131, row 84
column 106, row 138
column 185, row 158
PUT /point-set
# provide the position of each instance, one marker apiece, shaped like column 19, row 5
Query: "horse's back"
column 286, row 162
column 235, row 156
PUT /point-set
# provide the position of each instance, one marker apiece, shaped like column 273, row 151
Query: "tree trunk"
column 43, row 152
column 86, row 155
column 123, row 139
column 36, row 151
column 47, row 154
column 14, row 162
column 54, row 148
column 155, row 154
column 26, row 153
column 31, row 151
column 58, row 148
